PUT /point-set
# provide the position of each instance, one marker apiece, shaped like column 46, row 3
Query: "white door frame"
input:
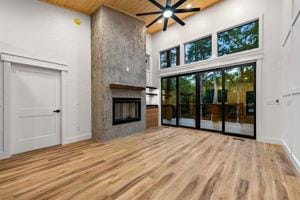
column 8, row 60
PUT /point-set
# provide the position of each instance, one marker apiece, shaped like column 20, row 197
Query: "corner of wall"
column 294, row 160
column 292, row 156
column 77, row 138
column 4, row 156
column 271, row 140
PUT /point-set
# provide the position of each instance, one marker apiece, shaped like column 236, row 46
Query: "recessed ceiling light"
column 189, row 5
column 77, row 21
column 168, row 13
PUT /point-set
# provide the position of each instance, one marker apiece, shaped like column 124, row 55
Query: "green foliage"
column 239, row 39
column 236, row 77
column 198, row 50
column 187, row 89
column 169, row 58
column 169, row 90
column 210, row 80
column 187, row 94
column 163, row 60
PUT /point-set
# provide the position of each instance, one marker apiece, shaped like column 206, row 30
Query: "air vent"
column 239, row 139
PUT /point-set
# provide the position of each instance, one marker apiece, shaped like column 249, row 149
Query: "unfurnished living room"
column 150, row 99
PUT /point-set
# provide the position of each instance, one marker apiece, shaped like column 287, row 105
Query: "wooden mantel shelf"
column 126, row 87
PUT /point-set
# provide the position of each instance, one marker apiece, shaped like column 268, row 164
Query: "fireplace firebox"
column 126, row 110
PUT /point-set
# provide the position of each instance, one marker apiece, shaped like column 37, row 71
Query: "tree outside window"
column 198, row 50
column 239, row 39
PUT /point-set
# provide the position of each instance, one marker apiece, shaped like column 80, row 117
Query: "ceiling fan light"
column 189, row 5
column 168, row 13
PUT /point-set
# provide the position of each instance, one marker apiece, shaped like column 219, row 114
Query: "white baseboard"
column 68, row 140
column 292, row 156
column 288, row 150
column 271, row 140
column 286, row 147
column 296, row 162
column 4, row 155
column 78, row 138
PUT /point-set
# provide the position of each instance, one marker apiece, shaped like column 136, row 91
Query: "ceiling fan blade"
column 158, row 18
column 187, row 10
column 168, row 3
column 156, row 4
column 149, row 13
column 178, row 20
column 166, row 23
column 179, row 3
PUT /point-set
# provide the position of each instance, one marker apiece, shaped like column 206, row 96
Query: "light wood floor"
column 168, row 163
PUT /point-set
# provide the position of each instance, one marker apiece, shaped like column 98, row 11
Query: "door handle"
column 56, row 111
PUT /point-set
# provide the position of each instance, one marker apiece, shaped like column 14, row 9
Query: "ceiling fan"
column 168, row 11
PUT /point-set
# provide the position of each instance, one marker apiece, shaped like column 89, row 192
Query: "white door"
column 36, row 104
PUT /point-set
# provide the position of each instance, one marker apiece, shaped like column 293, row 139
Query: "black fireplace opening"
column 126, row 110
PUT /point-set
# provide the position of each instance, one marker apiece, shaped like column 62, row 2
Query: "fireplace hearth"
column 126, row 110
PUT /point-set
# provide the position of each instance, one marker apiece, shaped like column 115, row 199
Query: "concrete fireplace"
column 118, row 72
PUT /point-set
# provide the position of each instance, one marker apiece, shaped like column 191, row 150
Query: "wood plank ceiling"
column 130, row 7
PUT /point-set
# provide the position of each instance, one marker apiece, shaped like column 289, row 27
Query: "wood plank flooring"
column 165, row 163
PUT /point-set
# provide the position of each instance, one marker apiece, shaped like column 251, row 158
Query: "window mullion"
column 169, row 58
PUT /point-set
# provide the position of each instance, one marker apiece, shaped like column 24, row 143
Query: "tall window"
column 169, row 100
column 170, row 58
column 239, row 39
column 198, row 50
column 187, row 100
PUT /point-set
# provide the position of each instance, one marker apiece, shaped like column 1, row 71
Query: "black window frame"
column 196, row 40
column 198, row 96
column 169, row 61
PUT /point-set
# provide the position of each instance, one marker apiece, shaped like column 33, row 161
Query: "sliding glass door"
column 187, row 100
column 211, row 100
column 221, row 100
column 169, row 101
column 239, row 107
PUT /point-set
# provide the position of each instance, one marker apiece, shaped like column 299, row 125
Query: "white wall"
column 150, row 99
column 1, row 109
column 291, row 80
column 39, row 30
column 149, row 52
column 224, row 15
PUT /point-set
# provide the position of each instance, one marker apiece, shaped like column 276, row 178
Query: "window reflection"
column 198, row 50
column 169, row 101
column 211, row 100
column 187, row 100
column 169, row 58
column 240, row 107
column 239, row 39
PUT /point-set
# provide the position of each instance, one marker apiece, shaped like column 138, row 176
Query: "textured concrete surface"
column 118, row 44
